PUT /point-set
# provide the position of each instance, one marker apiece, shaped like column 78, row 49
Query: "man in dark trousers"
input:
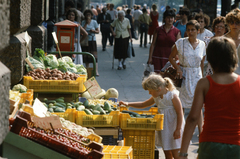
column 104, row 20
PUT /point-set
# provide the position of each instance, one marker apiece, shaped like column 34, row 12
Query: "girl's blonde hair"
column 154, row 81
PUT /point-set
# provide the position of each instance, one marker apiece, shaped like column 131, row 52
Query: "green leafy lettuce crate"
column 142, row 142
column 110, row 120
column 117, row 152
column 132, row 123
column 59, row 86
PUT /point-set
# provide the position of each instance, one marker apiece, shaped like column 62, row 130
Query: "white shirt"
column 137, row 13
column 206, row 33
column 113, row 14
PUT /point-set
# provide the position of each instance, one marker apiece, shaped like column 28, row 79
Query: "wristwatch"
column 183, row 154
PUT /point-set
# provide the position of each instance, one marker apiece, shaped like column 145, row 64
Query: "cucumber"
column 50, row 101
column 59, row 105
column 92, row 106
column 69, row 104
column 114, row 108
column 95, row 112
column 131, row 113
column 107, row 106
column 88, row 112
column 69, row 107
column 80, row 108
column 45, row 99
column 97, row 106
column 50, row 110
column 58, row 109
column 86, row 103
column 60, row 100
column 102, row 111
column 45, row 105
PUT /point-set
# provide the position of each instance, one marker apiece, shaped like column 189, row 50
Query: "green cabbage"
column 36, row 64
column 52, row 61
column 72, row 70
column 67, row 59
column 81, row 69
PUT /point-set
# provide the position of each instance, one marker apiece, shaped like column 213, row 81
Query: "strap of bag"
column 183, row 51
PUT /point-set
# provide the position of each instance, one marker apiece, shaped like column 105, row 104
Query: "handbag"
column 148, row 68
column 84, row 42
column 129, row 52
column 143, row 26
column 171, row 73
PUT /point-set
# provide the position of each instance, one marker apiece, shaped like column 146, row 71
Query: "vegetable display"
column 19, row 87
column 64, row 64
column 55, row 74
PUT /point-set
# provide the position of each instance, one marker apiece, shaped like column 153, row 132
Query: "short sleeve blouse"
column 93, row 25
column 121, row 28
column 189, row 57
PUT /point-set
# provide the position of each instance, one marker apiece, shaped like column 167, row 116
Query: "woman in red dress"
column 154, row 16
column 164, row 38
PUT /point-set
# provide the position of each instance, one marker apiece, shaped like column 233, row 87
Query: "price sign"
column 29, row 63
column 92, row 86
column 39, row 109
column 45, row 122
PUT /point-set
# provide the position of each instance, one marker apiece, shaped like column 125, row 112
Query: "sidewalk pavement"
column 128, row 81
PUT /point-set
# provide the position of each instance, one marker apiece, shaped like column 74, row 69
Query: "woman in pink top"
column 220, row 92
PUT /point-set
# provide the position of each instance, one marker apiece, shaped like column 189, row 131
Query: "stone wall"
column 4, row 21
column 4, row 100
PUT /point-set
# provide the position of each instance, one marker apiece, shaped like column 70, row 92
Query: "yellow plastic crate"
column 27, row 96
column 59, row 86
column 129, row 123
column 151, row 111
column 110, row 120
column 117, row 152
column 142, row 142
column 95, row 137
column 69, row 114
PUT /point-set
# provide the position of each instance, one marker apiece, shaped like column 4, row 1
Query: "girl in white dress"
column 191, row 53
column 165, row 95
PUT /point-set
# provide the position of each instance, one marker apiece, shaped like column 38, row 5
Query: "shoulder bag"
column 172, row 73
column 143, row 26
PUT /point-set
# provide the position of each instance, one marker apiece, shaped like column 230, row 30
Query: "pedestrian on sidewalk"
column 164, row 38
column 113, row 14
column 219, row 93
column 191, row 53
column 166, row 97
column 91, row 26
column 181, row 24
column 104, row 20
column 129, row 16
column 136, row 23
column 144, row 19
column 72, row 15
column 122, row 35
column 233, row 21
column 203, row 20
column 154, row 17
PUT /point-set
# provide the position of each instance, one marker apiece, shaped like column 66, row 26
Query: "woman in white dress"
column 191, row 53
column 166, row 97
column 233, row 21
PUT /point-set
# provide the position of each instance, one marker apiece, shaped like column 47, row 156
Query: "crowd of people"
column 205, row 58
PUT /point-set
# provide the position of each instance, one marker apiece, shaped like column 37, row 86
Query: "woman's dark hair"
column 69, row 3
column 168, row 12
column 144, row 10
column 219, row 20
column 222, row 54
column 74, row 11
column 233, row 16
column 185, row 11
column 88, row 11
column 203, row 16
column 194, row 23
column 129, row 11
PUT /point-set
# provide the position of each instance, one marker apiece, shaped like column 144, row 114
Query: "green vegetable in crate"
column 59, row 105
column 96, row 107
column 53, row 62
column 72, row 70
column 60, row 100
column 101, row 110
column 88, row 112
column 69, row 107
column 81, row 69
column 45, row 105
column 95, row 112
column 19, row 87
column 67, row 59
column 107, row 106
column 131, row 113
column 86, row 103
column 36, row 64
column 50, row 110
column 50, row 101
column 80, row 108
column 39, row 55
column 58, row 109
